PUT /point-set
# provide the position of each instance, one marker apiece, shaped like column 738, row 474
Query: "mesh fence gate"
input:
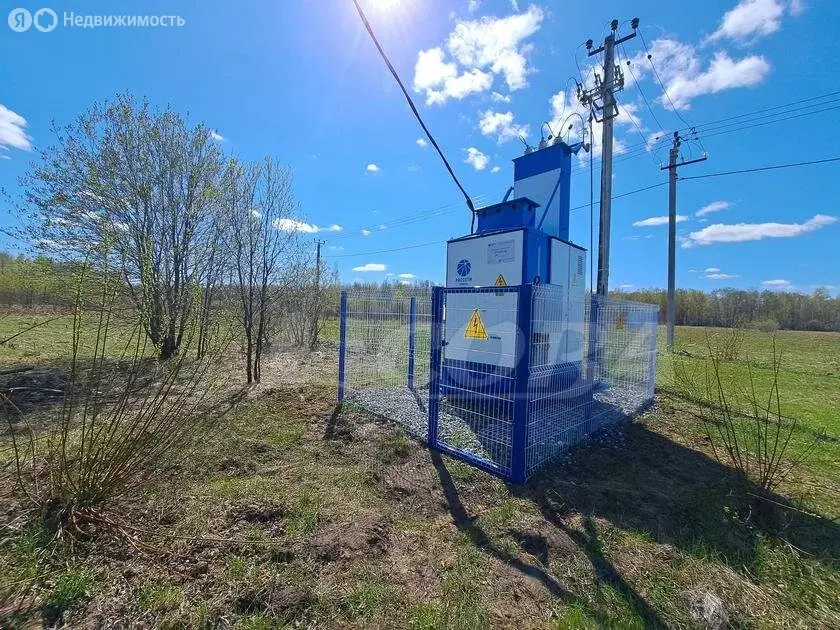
column 549, row 373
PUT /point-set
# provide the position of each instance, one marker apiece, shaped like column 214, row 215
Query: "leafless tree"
column 146, row 182
column 263, row 242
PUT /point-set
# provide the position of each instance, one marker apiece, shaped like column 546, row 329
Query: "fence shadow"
column 539, row 547
column 676, row 495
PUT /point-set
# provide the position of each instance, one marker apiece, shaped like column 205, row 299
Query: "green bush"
column 765, row 325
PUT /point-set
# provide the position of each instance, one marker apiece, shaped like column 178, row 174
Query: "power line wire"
column 413, row 107
column 619, row 196
column 762, row 168
column 658, row 80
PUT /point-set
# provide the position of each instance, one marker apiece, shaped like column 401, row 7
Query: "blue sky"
column 301, row 80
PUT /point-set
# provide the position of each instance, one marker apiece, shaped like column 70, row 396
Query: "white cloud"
column 421, row 143
column 215, row 135
column 295, row 225
column 336, row 248
column 566, row 110
column 476, row 159
column 482, row 49
column 681, row 70
column 12, row 133
column 501, row 125
column 500, row 98
column 715, row 206
column 495, row 169
column 365, row 232
column 473, row 5
column 797, row 7
column 372, row 168
column 625, row 287
column 712, row 270
column 654, row 221
column 407, row 276
column 722, row 276
column 741, row 232
column 4, row 157
column 777, row 284
column 723, row 73
column 370, row 267
column 382, row 226
column 750, row 19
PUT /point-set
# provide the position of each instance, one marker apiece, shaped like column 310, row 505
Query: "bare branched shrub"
column 745, row 427
column 122, row 418
column 727, row 345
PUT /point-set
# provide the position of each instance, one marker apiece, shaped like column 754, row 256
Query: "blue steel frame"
column 435, row 365
column 519, row 428
column 412, row 339
column 519, row 438
column 342, row 345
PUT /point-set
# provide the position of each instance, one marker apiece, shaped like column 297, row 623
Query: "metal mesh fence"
column 592, row 364
column 519, row 374
column 478, row 370
column 385, row 347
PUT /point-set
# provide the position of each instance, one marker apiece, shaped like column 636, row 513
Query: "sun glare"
column 384, row 5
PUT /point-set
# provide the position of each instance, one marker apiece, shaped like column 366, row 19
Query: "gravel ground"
column 481, row 436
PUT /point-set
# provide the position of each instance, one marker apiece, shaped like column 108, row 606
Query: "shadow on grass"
column 587, row 542
column 678, row 496
column 654, row 486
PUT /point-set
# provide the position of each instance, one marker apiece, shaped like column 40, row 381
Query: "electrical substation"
column 512, row 361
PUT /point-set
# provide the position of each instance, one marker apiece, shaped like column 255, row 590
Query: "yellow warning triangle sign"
column 475, row 328
column 500, row 281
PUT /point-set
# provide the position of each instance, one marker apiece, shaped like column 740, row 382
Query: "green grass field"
column 339, row 520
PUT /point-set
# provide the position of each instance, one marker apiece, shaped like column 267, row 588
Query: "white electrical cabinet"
column 479, row 261
column 568, row 270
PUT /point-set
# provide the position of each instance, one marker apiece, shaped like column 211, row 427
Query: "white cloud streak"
column 654, row 221
column 715, row 206
column 295, row 225
column 777, row 284
column 372, row 168
column 12, row 130
column 742, row 232
column 370, row 267
column 722, row 276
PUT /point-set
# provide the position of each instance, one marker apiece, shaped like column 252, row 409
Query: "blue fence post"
column 592, row 358
column 653, row 325
column 412, row 338
column 435, row 366
column 519, row 436
column 342, row 345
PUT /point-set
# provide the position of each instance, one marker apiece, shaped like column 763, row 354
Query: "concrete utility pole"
column 601, row 98
column 318, row 244
column 672, row 167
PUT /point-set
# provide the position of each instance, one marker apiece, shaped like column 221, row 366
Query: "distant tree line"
column 760, row 309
